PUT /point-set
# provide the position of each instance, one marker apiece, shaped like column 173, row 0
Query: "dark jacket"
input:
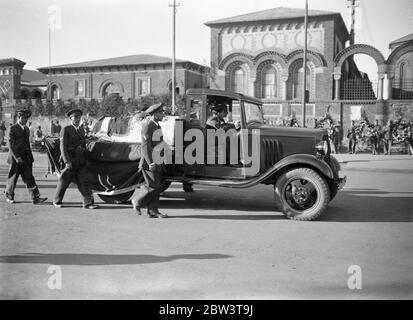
column 215, row 122
column 19, row 144
column 147, row 145
column 73, row 145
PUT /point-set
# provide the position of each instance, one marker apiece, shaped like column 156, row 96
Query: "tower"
column 11, row 70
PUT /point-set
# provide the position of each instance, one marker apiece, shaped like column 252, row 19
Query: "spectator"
column 2, row 132
column 352, row 139
column 388, row 137
column 58, row 127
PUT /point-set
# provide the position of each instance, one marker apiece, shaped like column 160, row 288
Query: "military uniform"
column 352, row 140
column 20, row 159
column 152, row 173
column 388, row 137
column 72, row 149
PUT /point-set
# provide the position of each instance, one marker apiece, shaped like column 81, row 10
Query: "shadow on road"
column 370, row 205
column 101, row 259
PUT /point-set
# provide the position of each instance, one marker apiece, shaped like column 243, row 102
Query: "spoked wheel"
column 302, row 194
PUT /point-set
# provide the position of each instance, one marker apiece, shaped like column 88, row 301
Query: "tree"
column 112, row 106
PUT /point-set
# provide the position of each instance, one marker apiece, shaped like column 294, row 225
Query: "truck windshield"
column 253, row 113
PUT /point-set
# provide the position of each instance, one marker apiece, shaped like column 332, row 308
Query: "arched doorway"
column 353, row 83
column 55, row 92
column 110, row 89
column 24, row 94
column 36, row 94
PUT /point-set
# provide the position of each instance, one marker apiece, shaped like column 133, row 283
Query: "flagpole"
column 305, row 63
column 50, row 64
column 174, row 5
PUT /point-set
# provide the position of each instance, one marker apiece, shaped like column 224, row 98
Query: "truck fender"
column 303, row 159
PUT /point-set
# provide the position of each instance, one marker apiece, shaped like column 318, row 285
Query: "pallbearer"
column 21, row 159
column 72, row 149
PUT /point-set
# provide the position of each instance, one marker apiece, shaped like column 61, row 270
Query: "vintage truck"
column 247, row 152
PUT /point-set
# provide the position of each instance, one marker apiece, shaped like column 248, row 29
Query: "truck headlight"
column 322, row 148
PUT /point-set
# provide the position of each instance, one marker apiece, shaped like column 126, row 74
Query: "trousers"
column 26, row 172
column 150, row 191
column 79, row 176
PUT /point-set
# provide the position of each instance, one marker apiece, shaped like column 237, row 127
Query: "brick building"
column 19, row 83
column 130, row 77
column 261, row 54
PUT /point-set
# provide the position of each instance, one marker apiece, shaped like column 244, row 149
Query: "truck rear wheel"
column 302, row 194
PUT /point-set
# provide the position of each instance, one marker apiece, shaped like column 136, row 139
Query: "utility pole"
column 49, row 94
column 305, row 62
column 174, row 5
column 352, row 5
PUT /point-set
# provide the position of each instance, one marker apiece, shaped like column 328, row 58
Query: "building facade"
column 19, row 83
column 261, row 54
column 130, row 77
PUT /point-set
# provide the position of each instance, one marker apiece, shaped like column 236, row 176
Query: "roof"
column 139, row 59
column 272, row 14
column 403, row 39
column 223, row 93
column 11, row 61
column 31, row 75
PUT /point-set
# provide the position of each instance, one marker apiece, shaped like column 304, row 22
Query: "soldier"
column 388, row 137
column 72, row 149
column 152, row 172
column 351, row 135
column 409, row 140
column 338, row 137
column 375, row 138
column 21, row 159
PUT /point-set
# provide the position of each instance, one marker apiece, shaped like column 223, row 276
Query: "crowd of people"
column 363, row 134
column 380, row 137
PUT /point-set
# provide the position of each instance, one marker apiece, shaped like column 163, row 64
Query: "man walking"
column 150, row 191
column 72, row 149
column 388, row 137
column 21, row 159
column 352, row 139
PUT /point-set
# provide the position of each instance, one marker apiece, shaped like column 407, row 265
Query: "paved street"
column 218, row 243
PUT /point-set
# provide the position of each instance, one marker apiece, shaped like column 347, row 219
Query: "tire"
column 302, row 194
column 118, row 198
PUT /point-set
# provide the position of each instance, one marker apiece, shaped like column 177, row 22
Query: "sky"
column 98, row 29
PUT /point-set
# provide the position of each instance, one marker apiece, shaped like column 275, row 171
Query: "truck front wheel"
column 302, row 194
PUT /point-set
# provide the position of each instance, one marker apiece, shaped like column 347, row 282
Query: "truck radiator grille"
column 270, row 152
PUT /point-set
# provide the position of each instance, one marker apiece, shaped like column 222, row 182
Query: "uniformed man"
column 388, row 137
column 72, row 149
column 375, row 139
column 216, row 120
column 21, row 159
column 150, row 191
column 352, row 139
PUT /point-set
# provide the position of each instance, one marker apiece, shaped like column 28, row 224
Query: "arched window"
column 111, row 88
column 55, row 92
column 269, row 82
column 238, row 83
column 297, row 85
